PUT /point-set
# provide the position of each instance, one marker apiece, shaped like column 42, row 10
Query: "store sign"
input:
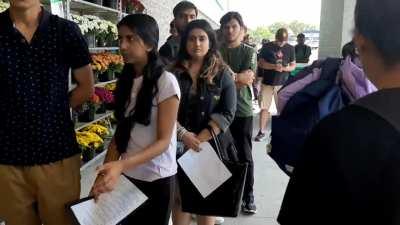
column 57, row 8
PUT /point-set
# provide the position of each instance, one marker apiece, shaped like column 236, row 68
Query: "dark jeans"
column 157, row 209
column 242, row 132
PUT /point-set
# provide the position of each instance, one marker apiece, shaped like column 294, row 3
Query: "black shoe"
column 249, row 208
column 260, row 137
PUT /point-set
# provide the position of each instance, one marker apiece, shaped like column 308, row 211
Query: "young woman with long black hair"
column 144, row 146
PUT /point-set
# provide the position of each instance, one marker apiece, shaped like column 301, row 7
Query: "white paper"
column 111, row 207
column 204, row 169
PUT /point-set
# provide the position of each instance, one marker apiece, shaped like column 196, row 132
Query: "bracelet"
column 181, row 132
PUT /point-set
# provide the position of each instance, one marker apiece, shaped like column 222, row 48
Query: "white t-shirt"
column 142, row 136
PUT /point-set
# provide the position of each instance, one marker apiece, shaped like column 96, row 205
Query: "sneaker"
column 249, row 208
column 260, row 137
column 219, row 220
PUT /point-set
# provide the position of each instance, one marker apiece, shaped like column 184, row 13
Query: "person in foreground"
column 348, row 171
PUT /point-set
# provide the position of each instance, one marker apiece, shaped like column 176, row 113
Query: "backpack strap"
column 384, row 103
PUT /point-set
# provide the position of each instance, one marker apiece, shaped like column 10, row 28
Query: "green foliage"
column 268, row 32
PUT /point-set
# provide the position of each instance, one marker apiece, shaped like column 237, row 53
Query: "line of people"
column 212, row 85
column 205, row 88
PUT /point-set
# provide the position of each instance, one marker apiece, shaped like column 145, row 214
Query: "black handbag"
column 225, row 201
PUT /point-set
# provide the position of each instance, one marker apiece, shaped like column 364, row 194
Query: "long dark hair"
column 213, row 62
column 146, row 28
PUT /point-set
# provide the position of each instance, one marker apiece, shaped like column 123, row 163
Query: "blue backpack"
column 302, row 112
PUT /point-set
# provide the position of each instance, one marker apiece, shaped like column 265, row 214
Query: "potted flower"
column 107, row 33
column 116, row 64
column 133, row 6
column 106, row 97
column 98, row 129
column 88, row 28
column 100, row 64
column 90, row 144
column 89, row 109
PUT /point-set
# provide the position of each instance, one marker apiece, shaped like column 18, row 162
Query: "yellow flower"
column 88, row 139
column 97, row 129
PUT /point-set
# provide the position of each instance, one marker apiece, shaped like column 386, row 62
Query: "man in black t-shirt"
column 303, row 51
column 184, row 13
column 276, row 61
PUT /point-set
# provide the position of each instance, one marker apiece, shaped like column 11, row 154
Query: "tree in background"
column 260, row 33
column 269, row 32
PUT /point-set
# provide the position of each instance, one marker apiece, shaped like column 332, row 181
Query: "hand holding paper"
column 204, row 169
column 107, row 178
column 111, row 207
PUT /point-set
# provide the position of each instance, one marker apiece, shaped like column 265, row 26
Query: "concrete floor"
column 270, row 185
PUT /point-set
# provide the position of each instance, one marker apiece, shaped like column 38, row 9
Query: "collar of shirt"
column 7, row 23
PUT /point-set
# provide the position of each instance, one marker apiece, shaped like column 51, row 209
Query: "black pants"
column 157, row 209
column 242, row 132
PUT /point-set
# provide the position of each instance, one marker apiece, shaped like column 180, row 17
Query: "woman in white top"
column 144, row 146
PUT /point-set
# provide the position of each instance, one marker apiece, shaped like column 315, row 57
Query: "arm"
column 266, row 65
column 290, row 67
column 111, row 156
column 308, row 52
column 85, row 88
column 292, row 60
column 247, row 76
column 78, row 58
column 111, row 171
column 244, row 78
column 112, row 152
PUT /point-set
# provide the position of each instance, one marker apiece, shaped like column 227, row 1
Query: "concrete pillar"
column 336, row 27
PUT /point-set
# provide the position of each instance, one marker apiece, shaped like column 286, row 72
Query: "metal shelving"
column 98, row 117
column 101, row 49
